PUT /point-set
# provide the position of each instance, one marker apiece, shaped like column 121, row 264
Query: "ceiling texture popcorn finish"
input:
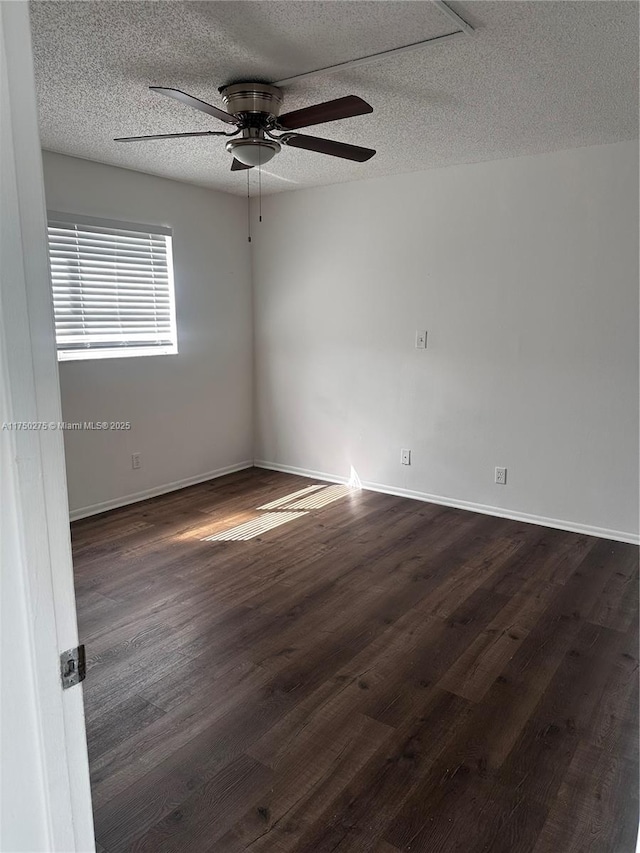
column 533, row 77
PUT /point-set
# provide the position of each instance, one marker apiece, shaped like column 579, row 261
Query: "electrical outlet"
column 136, row 462
column 405, row 457
column 501, row 476
column 421, row 340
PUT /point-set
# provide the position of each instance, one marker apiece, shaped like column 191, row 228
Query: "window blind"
column 112, row 288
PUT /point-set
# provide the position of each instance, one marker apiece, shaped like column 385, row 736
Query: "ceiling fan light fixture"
column 253, row 152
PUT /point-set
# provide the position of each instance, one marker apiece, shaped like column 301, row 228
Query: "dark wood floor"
column 378, row 675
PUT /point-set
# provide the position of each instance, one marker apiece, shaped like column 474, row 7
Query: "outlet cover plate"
column 421, row 339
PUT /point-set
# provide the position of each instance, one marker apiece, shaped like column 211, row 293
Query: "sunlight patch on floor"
column 288, row 508
column 289, row 498
column 321, row 498
column 251, row 529
column 202, row 531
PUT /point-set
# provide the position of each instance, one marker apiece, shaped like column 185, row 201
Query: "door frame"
column 48, row 795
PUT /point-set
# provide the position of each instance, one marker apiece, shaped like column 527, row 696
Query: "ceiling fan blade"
column 168, row 136
column 328, row 146
column 351, row 105
column 237, row 166
column 196, row 103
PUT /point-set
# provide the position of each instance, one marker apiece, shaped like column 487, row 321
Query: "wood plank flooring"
column 375, row 675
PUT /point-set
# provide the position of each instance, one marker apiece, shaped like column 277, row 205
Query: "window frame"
column 89, row 353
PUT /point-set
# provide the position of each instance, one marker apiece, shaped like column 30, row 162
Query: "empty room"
column 320, row 446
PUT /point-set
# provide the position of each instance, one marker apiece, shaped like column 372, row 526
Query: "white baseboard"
column 95, row 509
column 500, row 512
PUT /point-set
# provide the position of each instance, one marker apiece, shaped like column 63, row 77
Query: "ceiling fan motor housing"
column 252, row 98
column 257, row 105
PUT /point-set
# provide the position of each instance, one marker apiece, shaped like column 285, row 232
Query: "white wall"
column 191, row 413
column 524, row 272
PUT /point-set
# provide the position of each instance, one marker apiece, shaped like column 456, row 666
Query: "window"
column 112, row 288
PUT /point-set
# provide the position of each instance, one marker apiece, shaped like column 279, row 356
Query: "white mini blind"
column 112, row 288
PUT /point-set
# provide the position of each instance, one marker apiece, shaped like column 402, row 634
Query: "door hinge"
column 72, row 666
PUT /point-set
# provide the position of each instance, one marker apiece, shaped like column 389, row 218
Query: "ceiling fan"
column 254, row 109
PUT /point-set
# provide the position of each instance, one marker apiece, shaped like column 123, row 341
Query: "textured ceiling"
column 534, row 77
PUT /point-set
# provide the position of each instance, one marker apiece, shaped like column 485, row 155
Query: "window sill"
column 120, row 352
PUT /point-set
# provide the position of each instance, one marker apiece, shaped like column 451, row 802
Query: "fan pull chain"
column 248, row 210
column 259, row 185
